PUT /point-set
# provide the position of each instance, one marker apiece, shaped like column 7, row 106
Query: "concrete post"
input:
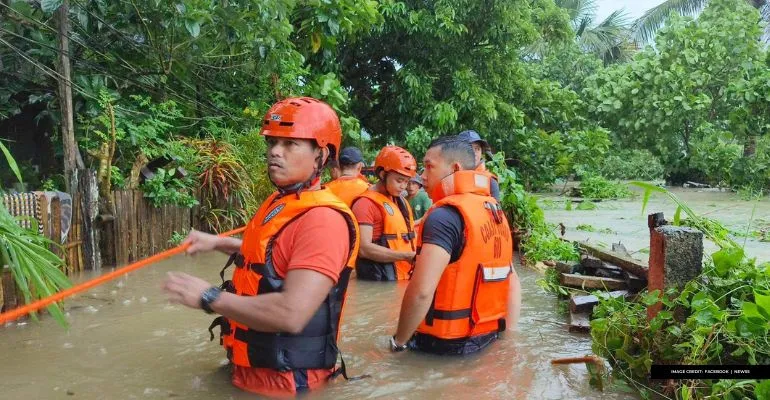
column 676, row 257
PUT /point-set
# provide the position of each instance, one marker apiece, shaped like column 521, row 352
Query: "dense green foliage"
column 538, row 240
column 695, row 99
column 557, row 91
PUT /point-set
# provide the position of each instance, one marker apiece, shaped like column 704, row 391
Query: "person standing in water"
column 464, row 290
column 348, row 182
column 418, row 199
column 481, row 147
column 385, row 219
column 280, row 314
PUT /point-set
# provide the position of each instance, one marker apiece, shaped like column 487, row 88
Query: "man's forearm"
column 229, row 245
column 514, row 301
column 374, row 252
column 264, row 313
column 413, row 310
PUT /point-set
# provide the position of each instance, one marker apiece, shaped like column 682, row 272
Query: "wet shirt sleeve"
column 319, row 241
column 367, row 212
column 444, row 227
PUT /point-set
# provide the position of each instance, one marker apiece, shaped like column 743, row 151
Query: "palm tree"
column 652, row 20
column 610, row 39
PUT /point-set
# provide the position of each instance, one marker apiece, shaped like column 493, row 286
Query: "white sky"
column 634, row 8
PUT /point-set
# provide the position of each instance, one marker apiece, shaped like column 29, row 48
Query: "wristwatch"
column 394, row 347
column 209, row 296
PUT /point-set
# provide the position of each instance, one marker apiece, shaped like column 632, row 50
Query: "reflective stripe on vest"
column 314, row 347
column 397, row 228
column 471, row 298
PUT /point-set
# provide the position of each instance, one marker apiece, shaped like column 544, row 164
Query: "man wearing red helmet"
column 281, row 311
column 385, row 219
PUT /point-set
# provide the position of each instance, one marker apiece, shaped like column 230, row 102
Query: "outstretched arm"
column 287, row 311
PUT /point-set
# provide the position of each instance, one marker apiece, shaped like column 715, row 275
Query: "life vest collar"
column 297, row 188
column 459, row 182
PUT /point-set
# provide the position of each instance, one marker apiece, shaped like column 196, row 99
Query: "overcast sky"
column 634, row 8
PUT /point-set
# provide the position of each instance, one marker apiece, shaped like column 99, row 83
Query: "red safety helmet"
column 396, row 159
column 304, row 118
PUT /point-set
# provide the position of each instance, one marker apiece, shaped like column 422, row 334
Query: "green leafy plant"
column 597, row 187
column 538, row 241
column 550, row 283
column 631, row 164
column 590, row 228
column 586, row 206
column 177, row 237
column 35, row 269
column 165, row 188
column 541, row 245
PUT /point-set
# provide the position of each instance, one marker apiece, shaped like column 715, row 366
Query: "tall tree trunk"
column 65, row 97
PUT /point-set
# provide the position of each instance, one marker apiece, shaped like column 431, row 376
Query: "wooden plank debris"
column 579, row 322
column 623, row 261
column 586, row 303
column 591, row 282
column 563, row 267
column 634, row 283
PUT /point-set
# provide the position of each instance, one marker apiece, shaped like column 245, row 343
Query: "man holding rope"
column 280, row 314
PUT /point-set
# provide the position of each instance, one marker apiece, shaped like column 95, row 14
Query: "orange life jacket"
column 471, row 300
column 315, row 347
column 397, row 234
column 347, row 188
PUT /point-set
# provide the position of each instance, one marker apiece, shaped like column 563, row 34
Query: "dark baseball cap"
column 351, row 155
column 471, row 136
column 417, row 179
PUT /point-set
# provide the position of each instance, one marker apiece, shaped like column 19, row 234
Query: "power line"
column 137, row 45
column 99, row 68
column 210, row 107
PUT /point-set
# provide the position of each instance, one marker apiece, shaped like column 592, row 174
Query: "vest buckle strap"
column 452, row 314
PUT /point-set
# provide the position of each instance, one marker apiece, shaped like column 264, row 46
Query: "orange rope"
column 37, row 305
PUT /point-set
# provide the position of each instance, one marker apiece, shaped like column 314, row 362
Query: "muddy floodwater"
column 623, row 221
column 126, row 342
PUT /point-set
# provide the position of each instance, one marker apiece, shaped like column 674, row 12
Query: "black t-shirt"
column 494, row 188
column 445, row 228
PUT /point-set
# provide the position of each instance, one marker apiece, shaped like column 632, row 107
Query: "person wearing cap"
column 464, row 291
column 385, row 219
column 418, row 199
column 481, row 147
column 348, row 182
column 280, row 313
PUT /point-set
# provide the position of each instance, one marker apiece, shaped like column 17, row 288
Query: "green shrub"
column 164, row 188
column 632, row 164
column 597, row 187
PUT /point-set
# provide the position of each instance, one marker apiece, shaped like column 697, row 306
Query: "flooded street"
column 127, row 342
column 623, row 221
